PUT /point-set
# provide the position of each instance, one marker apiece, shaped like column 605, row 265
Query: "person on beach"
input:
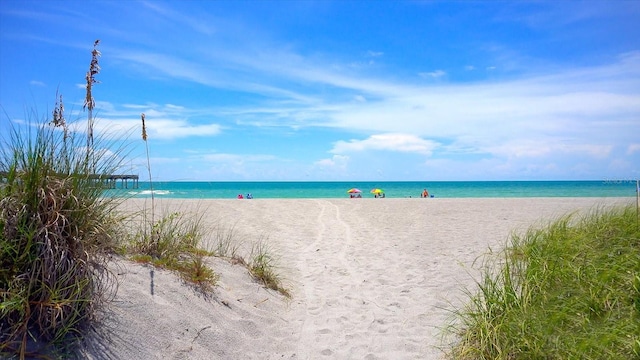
column 425, row 193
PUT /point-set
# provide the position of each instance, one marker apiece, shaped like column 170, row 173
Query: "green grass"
column 226, row 242
column 262, row 266
column 55, row 234
column 569, row 290
column 174, row 243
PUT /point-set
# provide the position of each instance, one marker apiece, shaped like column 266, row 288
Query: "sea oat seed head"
column 144, row 128
column 58, row 114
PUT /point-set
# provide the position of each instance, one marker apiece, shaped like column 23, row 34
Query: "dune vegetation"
column 56, row 232
column 568, row 290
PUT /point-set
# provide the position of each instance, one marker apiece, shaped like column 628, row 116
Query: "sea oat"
column 144, row 128
column 89, row 102
column 94, row 69
column 144, row 137
column 58, row 114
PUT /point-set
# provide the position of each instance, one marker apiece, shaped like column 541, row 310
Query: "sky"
column 351, row 90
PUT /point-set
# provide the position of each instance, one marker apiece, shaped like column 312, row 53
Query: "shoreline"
column 392, row 189
column 369, row 279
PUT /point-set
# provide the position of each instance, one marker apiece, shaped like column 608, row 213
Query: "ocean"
column 392, row 189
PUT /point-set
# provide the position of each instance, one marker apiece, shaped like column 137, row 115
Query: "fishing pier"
column 106, row 181
column 112, row 181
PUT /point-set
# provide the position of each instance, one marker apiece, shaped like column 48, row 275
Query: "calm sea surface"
column 394, row 189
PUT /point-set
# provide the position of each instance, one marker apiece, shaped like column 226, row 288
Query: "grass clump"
column 226, row 243
column 56, row 232
column 570, row 290
column 262, row 266
column 173, row 242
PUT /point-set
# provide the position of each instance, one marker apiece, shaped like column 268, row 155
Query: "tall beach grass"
column 568, row 290
column 56, row 233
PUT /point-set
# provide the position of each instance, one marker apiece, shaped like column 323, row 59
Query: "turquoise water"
column 395, row 189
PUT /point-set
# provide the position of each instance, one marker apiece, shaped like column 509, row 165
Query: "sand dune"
column 369, row 279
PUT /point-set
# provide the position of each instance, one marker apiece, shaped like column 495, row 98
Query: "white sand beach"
column 369, row 279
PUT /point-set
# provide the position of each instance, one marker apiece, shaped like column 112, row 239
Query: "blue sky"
column 340, row 90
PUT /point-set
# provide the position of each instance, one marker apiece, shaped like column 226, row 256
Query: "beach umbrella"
column 377, row 191
column 354, row 191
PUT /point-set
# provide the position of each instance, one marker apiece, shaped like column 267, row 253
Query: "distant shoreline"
column 392, row 189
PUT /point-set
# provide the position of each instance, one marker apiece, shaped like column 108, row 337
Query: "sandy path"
column 330, row 321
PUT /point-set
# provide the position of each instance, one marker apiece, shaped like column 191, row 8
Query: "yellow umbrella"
column 377, row 191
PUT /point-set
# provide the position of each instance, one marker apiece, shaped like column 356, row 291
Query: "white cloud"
column 237, row 158
column 387, row 142
column 166, row 121
column 524, row 148
column 593, row 150
column 433, row 74
column 171, row 129
column 157, row 129
column 191, row 20
column 339, row 161
column 633, row 148
column 37, row 83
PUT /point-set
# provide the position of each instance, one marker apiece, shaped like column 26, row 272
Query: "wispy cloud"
column 565, row 104
column 433, row 74
column 633, row 148
column 339, row 161
column 192, row 21
column 236, row 158
column 164, row 122
column 546, row 147
column 386, row 142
